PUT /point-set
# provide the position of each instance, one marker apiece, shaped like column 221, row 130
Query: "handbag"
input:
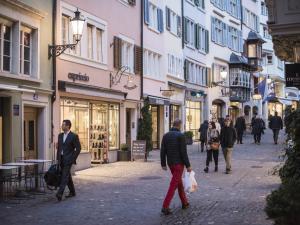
column 214, row 146
column 53, row 177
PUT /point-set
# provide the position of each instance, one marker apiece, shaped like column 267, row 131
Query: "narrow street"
column 132, row 193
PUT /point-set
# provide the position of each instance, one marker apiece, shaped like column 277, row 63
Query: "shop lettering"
column 80, row 77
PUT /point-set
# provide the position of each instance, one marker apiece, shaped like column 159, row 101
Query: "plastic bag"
column 189, row 182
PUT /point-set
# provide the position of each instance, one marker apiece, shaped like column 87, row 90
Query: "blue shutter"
column 241, row 41
column 160, row 20
column 146, row 12
column 229, row 37
column 206, row 41
column 213, row 30
column 239, row 9
column 224, row 34
column 257, row 23
column 224, row 4
column 168, row 25
column 228, row 6
column 196, row 32
column 185, row 21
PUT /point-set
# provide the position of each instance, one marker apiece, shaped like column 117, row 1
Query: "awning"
column 179, row 86
column 153, row 100
column 7, row 87
column 285, row 101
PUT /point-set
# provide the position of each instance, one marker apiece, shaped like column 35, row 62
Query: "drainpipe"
column 142, row 47
column 182, row 24
column 53, row 98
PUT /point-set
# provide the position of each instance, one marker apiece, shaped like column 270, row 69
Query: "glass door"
column 30, row 134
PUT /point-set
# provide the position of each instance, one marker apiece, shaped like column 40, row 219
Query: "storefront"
column 275, row 107
column 217, row 109
column 193, row 117
column 175, row 113
column 234, row 111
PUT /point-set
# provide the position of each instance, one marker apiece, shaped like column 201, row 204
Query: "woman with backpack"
column 213, row 143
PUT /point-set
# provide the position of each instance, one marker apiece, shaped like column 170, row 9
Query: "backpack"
column 53, row 177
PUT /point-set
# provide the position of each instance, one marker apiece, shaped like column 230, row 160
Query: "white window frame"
column 267, row 59
column 173, row 22
column 175, row 68
column 190, row 30
column 153, row 17
column 127, row 53
column 2, row 47
column 22, row 46
column 152, row 65
column 82, row 58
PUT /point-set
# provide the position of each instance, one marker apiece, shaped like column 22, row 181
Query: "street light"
column 269, row 80
column 77, row 27
column 223, row 74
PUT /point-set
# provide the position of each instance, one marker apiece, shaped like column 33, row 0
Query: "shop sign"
column 157, row 101
column 80, row 77
column 16, row 110
column 138, row 150
column 292, row 75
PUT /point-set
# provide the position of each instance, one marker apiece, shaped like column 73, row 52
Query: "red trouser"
column 175, row 183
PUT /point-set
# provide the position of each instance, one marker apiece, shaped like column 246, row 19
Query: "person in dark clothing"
column 68, row 149
column 203, row 134
column 173, row 150
column 228, row 117
column 258, row 126
column 213, row 139
column 227, row 140
column 275, row 125
column 240, row 126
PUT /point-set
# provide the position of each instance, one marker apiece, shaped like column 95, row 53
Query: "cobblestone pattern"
column 132, row 193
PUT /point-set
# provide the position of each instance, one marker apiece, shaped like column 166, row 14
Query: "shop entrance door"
column 30, row 133
column 155, row 126
column 128, row 128
column 234, row 113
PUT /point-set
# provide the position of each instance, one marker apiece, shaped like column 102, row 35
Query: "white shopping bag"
column 189, row 182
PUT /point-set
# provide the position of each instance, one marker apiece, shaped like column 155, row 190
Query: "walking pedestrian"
column 227, row 139
column 203, row 134
column 213, row 138
column 276, row 125
column 240, row 126
column 173, row 149
column 258, row 126
column 68, row 149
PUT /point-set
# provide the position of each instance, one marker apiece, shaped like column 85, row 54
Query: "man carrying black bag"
column 68, row 149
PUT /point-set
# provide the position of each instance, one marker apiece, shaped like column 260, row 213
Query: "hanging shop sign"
column 292, row 75
column 79, row 77
column 138, row 150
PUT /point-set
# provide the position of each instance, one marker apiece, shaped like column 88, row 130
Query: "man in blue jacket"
column 173, row 149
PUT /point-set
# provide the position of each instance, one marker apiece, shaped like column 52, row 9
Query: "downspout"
column 182, row 24
column 142, row 48
column 54, row 11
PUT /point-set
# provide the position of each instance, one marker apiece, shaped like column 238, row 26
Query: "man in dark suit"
column 68, row 149
column 240, row 127
column 276, row 125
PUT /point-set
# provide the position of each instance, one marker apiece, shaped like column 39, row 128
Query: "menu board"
column 138, row 150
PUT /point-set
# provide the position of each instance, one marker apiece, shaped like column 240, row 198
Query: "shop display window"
column 193, row 117
column 114, row 126
column 78, row 113
column 174, row 114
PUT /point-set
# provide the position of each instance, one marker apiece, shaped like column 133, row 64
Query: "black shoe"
column 70, row 195
column 166, row 211
column 228, row 171
column 206, row 170
column 59, row 197
column 241, row 143
column 276, row 143
column 185, row 206
column 216, row 168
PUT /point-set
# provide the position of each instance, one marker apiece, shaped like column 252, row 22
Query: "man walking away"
column 68, row 149
column 240, row 126
column 173, row 148
column 203, row 134
column 227, row 139
column 258, row 126
column 276, row 125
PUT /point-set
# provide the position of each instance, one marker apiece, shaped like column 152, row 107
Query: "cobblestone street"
column 132, row 193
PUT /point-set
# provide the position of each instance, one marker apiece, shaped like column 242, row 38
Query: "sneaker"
column 166, row 211
column 185, row 206
column 206, row 170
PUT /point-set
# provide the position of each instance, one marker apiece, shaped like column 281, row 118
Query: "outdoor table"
column 4, row 168
column 36, row 167
column 20, row 165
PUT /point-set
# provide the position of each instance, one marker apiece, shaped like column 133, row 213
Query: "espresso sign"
column 292, row 75
column 138, row 150
column 80, row 77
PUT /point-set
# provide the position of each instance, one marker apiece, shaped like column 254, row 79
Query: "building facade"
column 98, row 83
column 25, row 80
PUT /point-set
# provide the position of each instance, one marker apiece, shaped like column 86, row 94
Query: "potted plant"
column 124, row 153
column 189, row 137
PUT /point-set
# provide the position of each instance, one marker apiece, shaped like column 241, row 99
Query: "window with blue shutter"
column 168, row 19
column 160, row 20
column 241, row 41
column 186, row 70
column 213, row 29
column 206, row 41
column 146, row 12
column 179, row 26
column 224, row 36
column 230, row 44
column 239, row 16
column 196, row 30
column 185, row 24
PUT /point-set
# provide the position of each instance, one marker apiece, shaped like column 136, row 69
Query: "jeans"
column 176, row 182
column 275, row 135
column 240, row 136
column 227, row 156
column 257, row 138
column 210, row 154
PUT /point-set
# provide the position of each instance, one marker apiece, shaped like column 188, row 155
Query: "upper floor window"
column 264, row 9
column 200, row 3
column 5, row 47
column 269, row 57
column 153, row 16
column 189, row 32
column 234, row 8
column 218, row 31
column 127, row 56
column 175, row 66
column 239, row 78
column 201, row 42
column 173, row 22
column 280, row 64
column 266, row 33
column 195, row 73
column 25, row 50
column 250, row 19
column 152, row 64
column 235, row 39
column 90, row 41
column 221, row 4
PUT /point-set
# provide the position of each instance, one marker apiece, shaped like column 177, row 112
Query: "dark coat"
column 227, row 137
column 258, row 126
column 276, row 123
column 203, row 131
column 71, row 148
column 240, row 124
column 173, row 147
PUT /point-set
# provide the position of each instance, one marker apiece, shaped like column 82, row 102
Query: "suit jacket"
column 71, row 148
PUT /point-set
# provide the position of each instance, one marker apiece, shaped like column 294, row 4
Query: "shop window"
column 113, row 127
column 193, row 117
column 174, row 114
